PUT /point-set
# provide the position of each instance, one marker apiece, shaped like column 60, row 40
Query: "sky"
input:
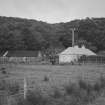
column 52, row 11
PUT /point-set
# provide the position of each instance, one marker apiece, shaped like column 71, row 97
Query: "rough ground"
column 57, row 75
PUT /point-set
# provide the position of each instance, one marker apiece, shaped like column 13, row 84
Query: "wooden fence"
column 4, row 60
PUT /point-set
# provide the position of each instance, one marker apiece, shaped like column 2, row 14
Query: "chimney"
column 83, row 47
column 76, row 46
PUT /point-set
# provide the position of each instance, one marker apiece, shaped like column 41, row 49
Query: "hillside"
column 28, row 34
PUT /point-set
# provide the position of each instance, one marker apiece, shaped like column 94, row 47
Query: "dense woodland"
column 28, row 34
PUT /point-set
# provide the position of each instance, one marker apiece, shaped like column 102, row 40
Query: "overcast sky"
column 53, row 11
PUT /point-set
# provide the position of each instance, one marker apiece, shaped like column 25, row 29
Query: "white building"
column 72, row 54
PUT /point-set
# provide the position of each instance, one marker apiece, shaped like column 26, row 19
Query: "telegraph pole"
column 73, row 40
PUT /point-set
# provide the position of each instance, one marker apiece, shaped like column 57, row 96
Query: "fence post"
column 25, row 88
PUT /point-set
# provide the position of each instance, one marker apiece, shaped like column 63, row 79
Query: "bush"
column 82, row 92
column 97, row 87
column 71, row 88
column 36, row 98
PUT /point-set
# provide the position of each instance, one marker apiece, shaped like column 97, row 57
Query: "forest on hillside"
column 28, row 34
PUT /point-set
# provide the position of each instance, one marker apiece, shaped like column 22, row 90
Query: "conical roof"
column 77, row 51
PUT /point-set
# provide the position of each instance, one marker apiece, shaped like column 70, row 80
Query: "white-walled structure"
column 72, row 54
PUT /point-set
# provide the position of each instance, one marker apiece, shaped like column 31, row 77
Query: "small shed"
column 22, row 53
column 72, row 54
column 24, row 56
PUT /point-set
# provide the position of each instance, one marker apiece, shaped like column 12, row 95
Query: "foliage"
column 25, row 34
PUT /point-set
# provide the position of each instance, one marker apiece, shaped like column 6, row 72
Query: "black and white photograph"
column 52, row 52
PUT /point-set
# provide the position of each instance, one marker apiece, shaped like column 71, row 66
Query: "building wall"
column 67, row 58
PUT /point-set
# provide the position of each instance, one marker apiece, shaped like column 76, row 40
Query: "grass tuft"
column 46, row 78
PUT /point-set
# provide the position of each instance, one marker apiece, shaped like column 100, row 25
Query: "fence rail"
column 4, row 60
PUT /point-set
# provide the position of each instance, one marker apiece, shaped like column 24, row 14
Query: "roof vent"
column 83, row 47
column 5, row 54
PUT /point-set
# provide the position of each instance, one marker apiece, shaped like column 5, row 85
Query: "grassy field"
column 48, row 77
column 56, row 75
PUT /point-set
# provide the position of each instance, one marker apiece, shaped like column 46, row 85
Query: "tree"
column 29, row 40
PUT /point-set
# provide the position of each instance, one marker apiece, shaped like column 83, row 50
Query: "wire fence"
column 92, row 60
column 26, row 60
column 11, row 91
column 6, row 99
column 54, row 60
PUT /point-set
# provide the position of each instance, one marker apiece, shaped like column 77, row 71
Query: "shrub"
column 56, row 93
column 84, row 85
column 36, row 98
column 102, row 81
column 80, row 93
column 71, row 88
column 2, row 84
column 97, row 87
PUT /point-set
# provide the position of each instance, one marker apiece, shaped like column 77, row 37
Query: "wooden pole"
column 25, row 88
column 73, row 29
